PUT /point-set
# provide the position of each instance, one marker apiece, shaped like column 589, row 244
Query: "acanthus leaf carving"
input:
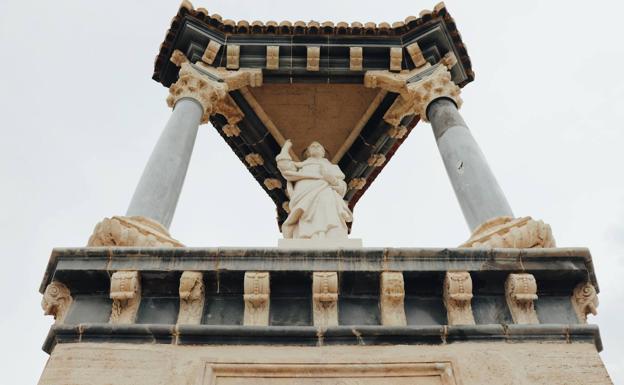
column 508, row 232
column 133, row 231
column 191, row 298
column 520, row 292
column 325, row 298
column 458, row 298
column 125, row 291
column 257, row 299
column 56, row 301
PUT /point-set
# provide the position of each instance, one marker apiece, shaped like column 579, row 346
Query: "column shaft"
column 157, row 193
column 476, row 188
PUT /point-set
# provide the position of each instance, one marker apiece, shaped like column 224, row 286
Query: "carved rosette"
column 416, row 96
column 392, row 299
column 210, row 87
column 56, row 301
column 125, row 291
column 325, row 298
column 520, row 292
column 585, row 301
column 508, row 232
column 257, row 299
column 191, row 298
column 458, row 297
column 134, row 231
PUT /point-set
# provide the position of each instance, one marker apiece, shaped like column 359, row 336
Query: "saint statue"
column 316, row 188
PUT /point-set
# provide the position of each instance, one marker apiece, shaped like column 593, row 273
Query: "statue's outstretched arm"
column 284, row 160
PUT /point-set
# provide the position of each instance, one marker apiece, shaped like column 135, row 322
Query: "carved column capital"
column 325, row 298
column 417, row 88
column 56, row 301
column 125, row 291
column 191, row 298
column 508, row 232
column 458, row 297
column 210, row 87
column 520, row 292
column 585, row 301
column 392, row 296
column 134, row 231
column 257, row 299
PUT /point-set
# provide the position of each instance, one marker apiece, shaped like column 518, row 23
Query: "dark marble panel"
column 291, row 299
column 358, row 310
column 491, row 309
column 425, row 311
column 160, row 283
column 555, row 310
column 226, row 309
column 89, row 308
column 158, row 310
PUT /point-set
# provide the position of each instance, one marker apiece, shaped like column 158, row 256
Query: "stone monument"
column 315, row 111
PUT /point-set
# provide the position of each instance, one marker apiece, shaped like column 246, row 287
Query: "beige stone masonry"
column 355, row 58
column 134, row 231
column 254, row 159
column 272, row 183
column 257, row 299
column 416, row 54
column 314, row 58
column 325, row 299
column 272, row 57
column 415, row 97
column 585, row 301
column 56, row 301
column 508, row 232
column 211, row 52
column 125, row 291
column 357, row 183
column 211, row 94
column 397, row 132
column 233, row 57
column 191, row 298
column 396, row 58
column 391, row 301
column 376, row 160
column 458, row 298
column 231, row 130
column 520, row 292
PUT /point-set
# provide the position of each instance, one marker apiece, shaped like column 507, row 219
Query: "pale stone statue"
column 316, row 188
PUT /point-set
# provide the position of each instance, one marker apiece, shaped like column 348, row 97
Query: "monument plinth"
column 315, row 111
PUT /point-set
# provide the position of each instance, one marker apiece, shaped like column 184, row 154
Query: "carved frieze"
column 125, row 291
column 585, row 301
column 131, row 231
column 191, row 298
column 257, row 299
column 391, row 302
column 56, row 301
column 325, row 298
column 508, row 232
column 520, row 292
column 458, row 298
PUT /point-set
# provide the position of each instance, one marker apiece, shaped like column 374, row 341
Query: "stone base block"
column 469, row 363
column 323, row 244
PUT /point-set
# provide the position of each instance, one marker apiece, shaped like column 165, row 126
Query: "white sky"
column 80, row 115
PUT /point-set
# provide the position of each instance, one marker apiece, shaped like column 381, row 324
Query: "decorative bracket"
column 416, row 88
column 191, row 298
column 325, row 298
column 392, row 296
column 521, row 291
column 56, row 301
column 458, row 297
column 125, row 291
column 257, row 299
column 508, row 232
column 131, row 231
column 585, row 301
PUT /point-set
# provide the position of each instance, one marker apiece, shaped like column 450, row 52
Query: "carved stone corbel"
column 417, row 88
column 134, row 231
column 508, row 232
column 325, row 298
column 191, row 298
column 458, row 297
column 585, row 301
column 125, row 291
column 257, row 299
column 56, row 301
column 210, row 86
column 392, row 296
column 520, row 292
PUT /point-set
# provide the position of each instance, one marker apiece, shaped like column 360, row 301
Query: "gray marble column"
column 156, row 196
column 476, row 188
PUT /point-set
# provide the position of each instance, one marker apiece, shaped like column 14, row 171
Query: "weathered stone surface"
column 257, row 298
column 493, row 363
column 585, row 301
column 131, row 231
column 125, row 291
column 325, row 298
column 520, row 292
column 458, row 297
column 191, row 297
column 508, row 232
column 56, row 301
column 391, row 301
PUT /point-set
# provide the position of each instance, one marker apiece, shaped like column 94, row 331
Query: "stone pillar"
column 157, row 193
column 476, row 188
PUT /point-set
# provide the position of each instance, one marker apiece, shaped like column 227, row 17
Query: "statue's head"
column 314, row 150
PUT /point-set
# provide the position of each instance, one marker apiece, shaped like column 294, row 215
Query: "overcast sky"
column 80, row 115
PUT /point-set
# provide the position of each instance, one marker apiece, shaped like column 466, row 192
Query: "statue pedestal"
column 327, row 243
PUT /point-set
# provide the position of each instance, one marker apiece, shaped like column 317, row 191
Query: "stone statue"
column 316, row 188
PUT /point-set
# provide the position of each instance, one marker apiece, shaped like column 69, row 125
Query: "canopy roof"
column 313, row 85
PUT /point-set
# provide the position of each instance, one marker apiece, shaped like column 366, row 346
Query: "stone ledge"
column 312, row 336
